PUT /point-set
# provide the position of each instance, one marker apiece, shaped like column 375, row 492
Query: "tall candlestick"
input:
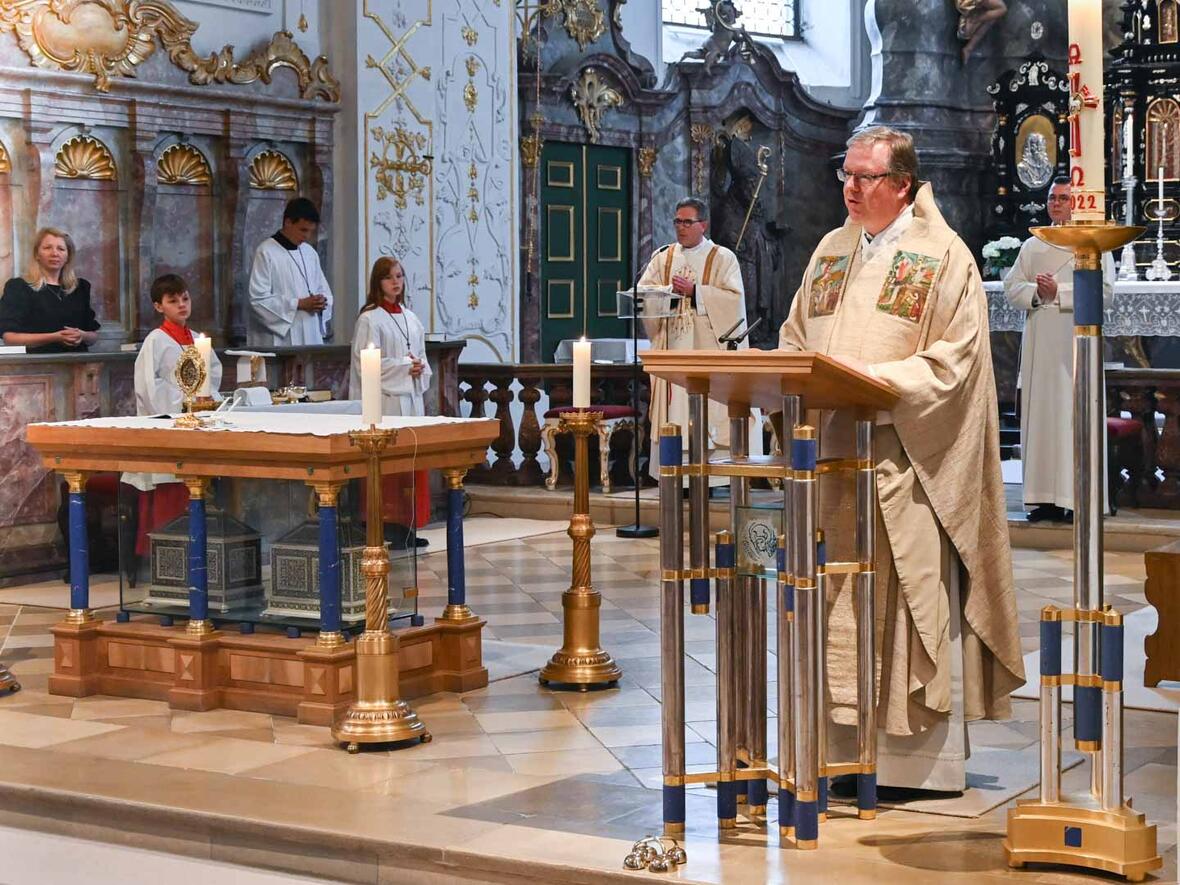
column 582, row 374
column 371, row 385
column 205, row 348
column 1087, row 147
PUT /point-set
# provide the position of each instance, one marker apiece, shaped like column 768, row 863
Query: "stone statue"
column 734, row 180
column 721, row 19
column 976, row 18
column 1034, row 169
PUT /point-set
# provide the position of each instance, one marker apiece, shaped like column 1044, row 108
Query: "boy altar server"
column 157, row 393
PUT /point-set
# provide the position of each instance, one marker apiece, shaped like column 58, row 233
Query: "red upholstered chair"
column 1124, row 451
column 614, row 419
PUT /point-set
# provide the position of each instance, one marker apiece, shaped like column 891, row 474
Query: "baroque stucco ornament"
column 111, row 38
column 5, row 161
column 85, row 157
column 183, row 164
column 591, row 96
column 272, row 171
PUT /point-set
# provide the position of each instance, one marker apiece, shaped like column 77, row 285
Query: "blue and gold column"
column 80, row 612
column 727, row 707
column 331, row 622
column 198, row 561
column 672, row 627
column 457, row 608
column 785, row 607
column 807, row 647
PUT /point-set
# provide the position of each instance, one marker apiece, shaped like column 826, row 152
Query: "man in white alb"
column 709, row 281
column 1041, row 282
column 290, row 300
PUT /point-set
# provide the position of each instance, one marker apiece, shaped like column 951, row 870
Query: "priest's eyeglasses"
column 862, row 179
column 685, row 222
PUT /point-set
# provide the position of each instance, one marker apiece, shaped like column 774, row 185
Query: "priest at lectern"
column 713, row 300
column 896, row 293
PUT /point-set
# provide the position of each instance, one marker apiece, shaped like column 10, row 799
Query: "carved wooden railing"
column 1143, row 393
column 483, row 382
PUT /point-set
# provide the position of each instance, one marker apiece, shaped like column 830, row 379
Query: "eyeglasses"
column 862, row 179
column 685, row 222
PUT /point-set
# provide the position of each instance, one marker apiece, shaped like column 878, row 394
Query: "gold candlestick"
column 581, row 661
column 7, row 680
column 377, row 716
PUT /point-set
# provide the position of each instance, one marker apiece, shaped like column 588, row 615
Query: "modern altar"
column 198, row 665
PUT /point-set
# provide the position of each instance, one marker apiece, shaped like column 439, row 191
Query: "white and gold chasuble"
column 720, row 302
column 911, row 305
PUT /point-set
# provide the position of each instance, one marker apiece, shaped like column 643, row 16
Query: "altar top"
column 761, row 378
column 309, row 448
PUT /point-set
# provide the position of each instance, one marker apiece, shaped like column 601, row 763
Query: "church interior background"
column 523, row 159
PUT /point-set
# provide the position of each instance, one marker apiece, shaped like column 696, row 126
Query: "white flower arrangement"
column 999, row 248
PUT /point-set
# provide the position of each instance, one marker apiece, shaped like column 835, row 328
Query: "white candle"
column 1160, row 208
column 581, row 374
column 371, row 385
column 1087, row 145
column 205, row 348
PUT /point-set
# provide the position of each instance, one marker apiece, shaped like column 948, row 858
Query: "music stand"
column 653, row 302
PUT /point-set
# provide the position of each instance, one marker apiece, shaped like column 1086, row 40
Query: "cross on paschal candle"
column 1080, row 98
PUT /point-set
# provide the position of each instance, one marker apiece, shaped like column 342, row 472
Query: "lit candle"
column 205, row 348
column 581, row 374
column 1087, row 146
column 371, row 384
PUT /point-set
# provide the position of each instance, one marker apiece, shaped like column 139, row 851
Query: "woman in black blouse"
column 48, row 310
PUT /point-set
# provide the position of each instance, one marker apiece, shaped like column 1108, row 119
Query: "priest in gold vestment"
column 709, row 281
column 897, row 294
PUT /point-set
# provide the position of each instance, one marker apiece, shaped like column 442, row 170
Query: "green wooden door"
column 585, row 242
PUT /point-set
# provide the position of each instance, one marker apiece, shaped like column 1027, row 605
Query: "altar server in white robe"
column 1041, row 282
column 708, row 278
column 290, row 300
column 157, row 393
column 386, row 322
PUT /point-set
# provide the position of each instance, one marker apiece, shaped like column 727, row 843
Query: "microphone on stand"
column 637, row 529
column 732, row 341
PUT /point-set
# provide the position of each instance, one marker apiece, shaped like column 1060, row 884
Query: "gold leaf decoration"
column 272, row 171
column 111, row 38
column 183, row 164
column 5, row 160
column 85, row 157
column 584, row 19
column 591, row 96
column 647, row 161
column 402, row 167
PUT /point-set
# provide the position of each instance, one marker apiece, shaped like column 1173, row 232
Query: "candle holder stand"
column 1128, row 272
column 581, row 662
column 1159, row 272
column 378, row 715
column 1096, row 829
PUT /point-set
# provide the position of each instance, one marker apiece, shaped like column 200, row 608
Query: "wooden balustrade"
column 610, row 385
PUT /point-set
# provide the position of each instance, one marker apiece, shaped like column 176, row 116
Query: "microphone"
column 732, row 341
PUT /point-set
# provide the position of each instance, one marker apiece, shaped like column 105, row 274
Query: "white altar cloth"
column 268, row 422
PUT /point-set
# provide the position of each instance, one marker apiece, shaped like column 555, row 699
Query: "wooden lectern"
column 792, row 383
